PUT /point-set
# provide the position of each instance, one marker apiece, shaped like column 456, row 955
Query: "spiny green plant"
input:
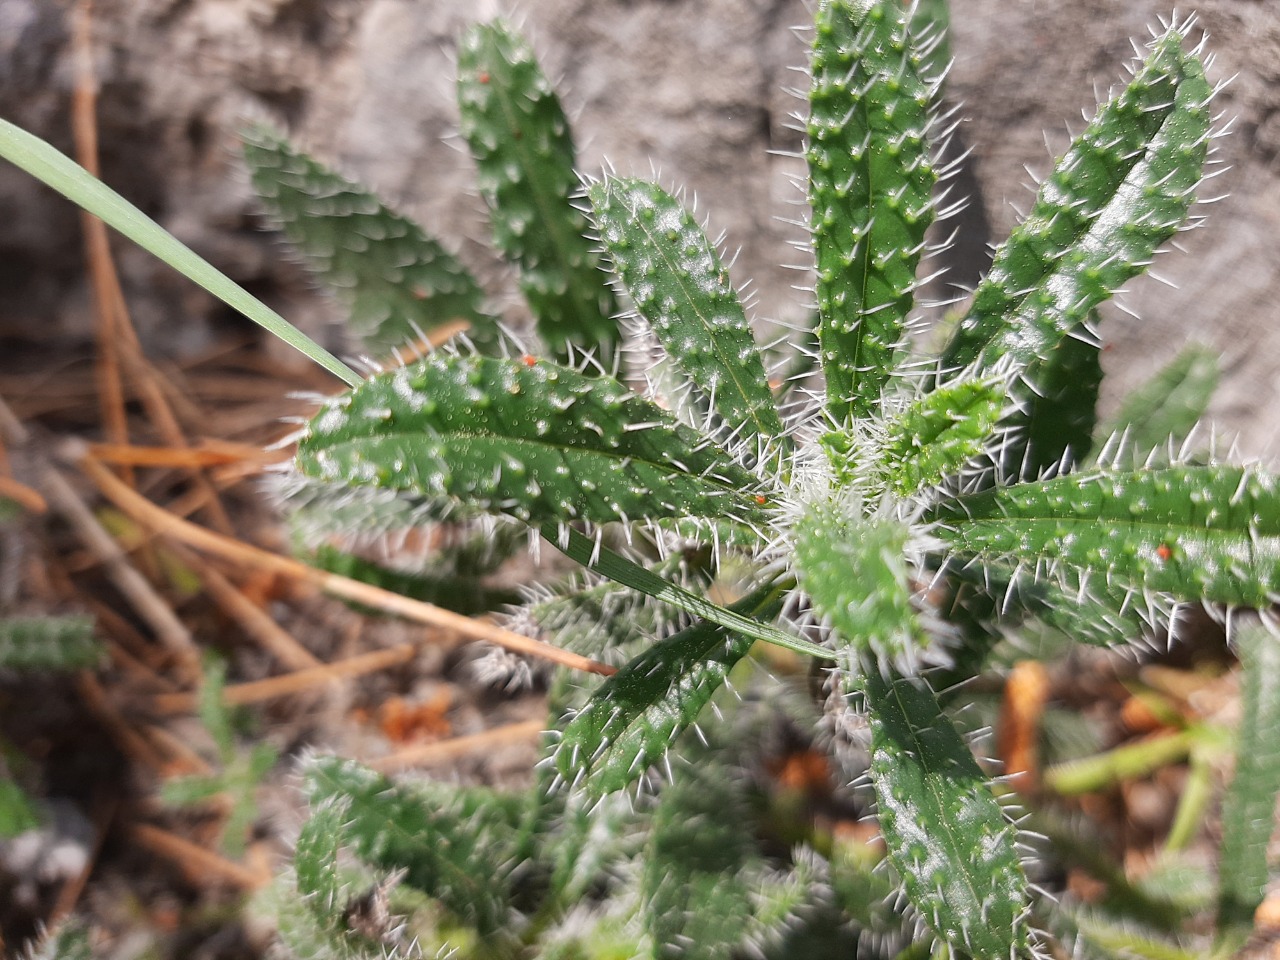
column 894, row 521
column 240, row 771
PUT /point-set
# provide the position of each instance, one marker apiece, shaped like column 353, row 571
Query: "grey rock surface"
column 693, row 88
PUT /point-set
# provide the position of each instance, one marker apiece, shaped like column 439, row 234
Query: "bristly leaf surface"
column 699, row 864
column 457, row 845
column 940, row 434
column 870, row 186
column 1194, row 533
column 525, row 438
column 520, row 138
column 679, row 285
column 944, row 831
column 636, row 715
column 315, row 862
column 1167, row 407
column 855, row 571
column 1248, row 810
column 395, row 280
column 1121, row 190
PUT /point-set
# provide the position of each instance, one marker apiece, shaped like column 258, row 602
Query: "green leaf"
column 1166, row 408
column 638, row 713
column 1122, row 189
column 590, row 843
column 70, row 941
column 456, row 844
column 215, row 715
column 395, row 281
column 679, row 285
column 1249, row 807
column 609, row 564
column 695, row 877
column 941, row 433
column 864, row 891
column 1099, row 615
column 855, row 572
column 315, row 863
column 944, row 831
column 870, row 186
column 48, row 643
column 192, row 790
column 17, row 814
column 531, row 440
column 523, row 147
column 1057, row 418
column 68, row 178
column 1193, row 532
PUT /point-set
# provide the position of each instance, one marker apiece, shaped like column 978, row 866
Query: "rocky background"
column 694, row 88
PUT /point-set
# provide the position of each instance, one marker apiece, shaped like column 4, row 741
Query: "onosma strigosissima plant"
column 890, row 512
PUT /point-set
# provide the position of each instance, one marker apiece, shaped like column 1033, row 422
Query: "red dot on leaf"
column 1164, row 551
column 529, row 360
column 483, row 78
column 761, row 499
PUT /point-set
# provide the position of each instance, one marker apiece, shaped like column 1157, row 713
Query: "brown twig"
column 149, row 605
column 146, row 512
column 27, row 498
column 117, row 340
column 133, row 744
column 255, row 621
column 1018, row 732
column 198, row 864
column 255, row 691
column 207, row 453
column 131, row 639
column 107, row 326
column 426, row 754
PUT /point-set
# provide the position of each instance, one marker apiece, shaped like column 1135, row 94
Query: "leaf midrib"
column 674, row 269
column 495, row 438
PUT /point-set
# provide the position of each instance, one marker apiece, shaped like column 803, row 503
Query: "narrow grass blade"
column 527, row 439
column 944, row 831
column 1193, row 532
column 520, row 138
column 870, row 186
column 678, row 284
column 395, row 281
column 637, row 714
column 68, row 178
column 462, row 593
column 609, row 564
